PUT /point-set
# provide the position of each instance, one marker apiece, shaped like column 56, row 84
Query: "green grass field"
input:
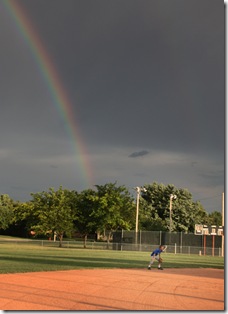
column 31, row 258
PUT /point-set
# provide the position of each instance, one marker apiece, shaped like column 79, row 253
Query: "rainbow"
column 56, row 88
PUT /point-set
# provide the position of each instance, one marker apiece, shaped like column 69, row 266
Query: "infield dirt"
column 114, row 289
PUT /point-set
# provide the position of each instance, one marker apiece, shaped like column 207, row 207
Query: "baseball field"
column 51, row 278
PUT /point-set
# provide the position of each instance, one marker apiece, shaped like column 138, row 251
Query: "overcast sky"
column 145, row 79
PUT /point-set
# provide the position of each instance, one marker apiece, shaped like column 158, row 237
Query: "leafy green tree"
column 215, row 218
column 54, row 212
column 115, row 208
column 108, row 208
column 6, row 211
column 155, row 209
column 85, row 221
column 23, row 219
column 153, row 206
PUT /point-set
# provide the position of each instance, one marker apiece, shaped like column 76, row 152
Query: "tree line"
column 108, row 208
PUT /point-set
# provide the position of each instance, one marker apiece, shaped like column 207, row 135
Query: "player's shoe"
column 149, row 268
column 160, row 268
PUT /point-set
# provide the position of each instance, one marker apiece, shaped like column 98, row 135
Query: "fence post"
column 181, row 243
column 213, row 244
column 140, row 239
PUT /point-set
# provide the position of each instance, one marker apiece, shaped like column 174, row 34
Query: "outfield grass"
column 30, row 258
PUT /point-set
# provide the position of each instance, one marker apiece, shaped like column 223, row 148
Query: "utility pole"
column 223, row 224
column 138, row 191
column 172, row 197
column 137, row 209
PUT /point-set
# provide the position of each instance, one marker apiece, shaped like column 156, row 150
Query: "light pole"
column 223, row 224
column 171, row 198
column 138, row 191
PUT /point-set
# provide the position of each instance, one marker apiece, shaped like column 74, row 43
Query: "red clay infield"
column 114, row 289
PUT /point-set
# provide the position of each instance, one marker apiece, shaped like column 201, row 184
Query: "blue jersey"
column 156, row 252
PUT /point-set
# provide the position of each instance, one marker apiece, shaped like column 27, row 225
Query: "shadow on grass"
column 77, row 262
column 31, row 263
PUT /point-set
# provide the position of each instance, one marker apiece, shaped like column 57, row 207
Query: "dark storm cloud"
column 139, row 154
column 135, row 65
column 156, row 62
column 211, row 178
column 139, row 73
column 173, row 94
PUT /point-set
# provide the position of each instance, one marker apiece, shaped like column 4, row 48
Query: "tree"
column 84, row 220
column 54, row 212
column 23, row 219
column 153, row 205
column 215, row 218
column 108, row 208
column 6, row 211
column 155, row 209
column 115, row 208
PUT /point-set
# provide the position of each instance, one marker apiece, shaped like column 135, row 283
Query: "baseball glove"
column 160, row 260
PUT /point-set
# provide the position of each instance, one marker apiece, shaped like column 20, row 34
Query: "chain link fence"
column 145, row 241
column 177, row 242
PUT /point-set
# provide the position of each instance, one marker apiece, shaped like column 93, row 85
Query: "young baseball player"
column 156, row 255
